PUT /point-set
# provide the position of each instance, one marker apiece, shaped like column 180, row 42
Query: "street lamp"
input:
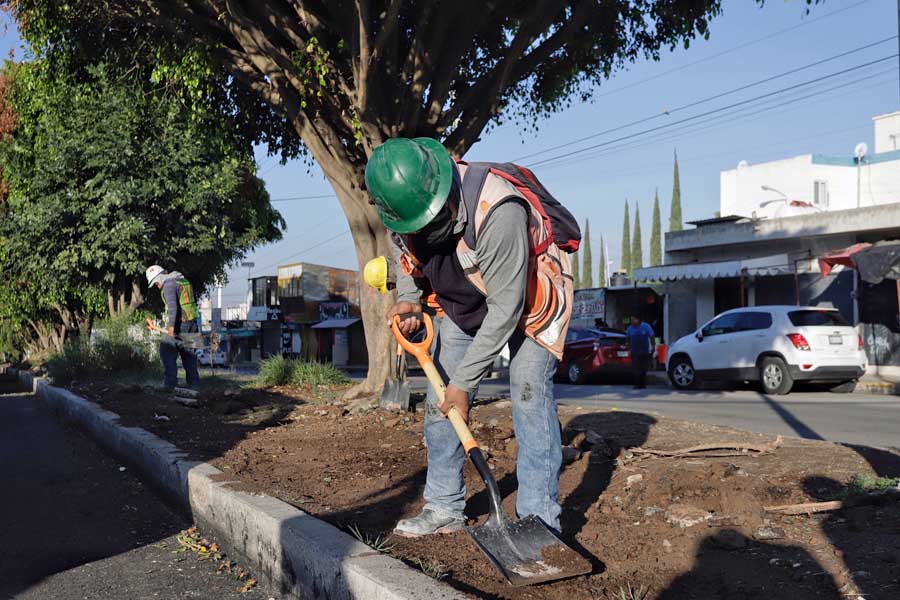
column 767, row 188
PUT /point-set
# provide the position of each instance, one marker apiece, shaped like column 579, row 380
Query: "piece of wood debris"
column 808, row 508
column 715, row 450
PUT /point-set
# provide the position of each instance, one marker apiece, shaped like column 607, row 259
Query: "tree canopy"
column 106, row 177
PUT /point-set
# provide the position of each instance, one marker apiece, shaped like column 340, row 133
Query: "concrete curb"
column 287, row 549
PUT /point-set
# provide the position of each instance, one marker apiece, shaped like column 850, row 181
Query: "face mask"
column 440, row 230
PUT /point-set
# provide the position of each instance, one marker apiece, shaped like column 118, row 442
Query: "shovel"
column 524, row 551
column 395, row 395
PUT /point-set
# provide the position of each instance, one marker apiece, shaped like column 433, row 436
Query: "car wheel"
column 682, row 373
column 774, row 376
column 575, row 374
column 845, row 387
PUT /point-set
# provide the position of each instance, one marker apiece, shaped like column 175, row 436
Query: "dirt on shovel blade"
column 526, row 552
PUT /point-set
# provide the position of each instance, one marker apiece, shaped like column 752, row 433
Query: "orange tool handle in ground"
column 422, row 352
column 151, row 325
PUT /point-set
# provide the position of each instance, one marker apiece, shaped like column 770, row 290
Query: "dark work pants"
column 640, row 363
column 169, row 351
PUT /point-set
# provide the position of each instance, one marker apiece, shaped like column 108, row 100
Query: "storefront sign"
column 589, row 304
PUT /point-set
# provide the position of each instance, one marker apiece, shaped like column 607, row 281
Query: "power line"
column 305, row 250
column 730, row 50
column 713, row 111
column 707, row 99
column 717, row 120
column 296, row 198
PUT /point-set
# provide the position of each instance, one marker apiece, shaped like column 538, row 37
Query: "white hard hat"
column 154, row 273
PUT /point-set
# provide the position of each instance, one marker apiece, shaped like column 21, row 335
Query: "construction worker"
column 483, row 292
column 181, row 318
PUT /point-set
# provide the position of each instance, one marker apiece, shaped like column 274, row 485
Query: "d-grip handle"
column 422, row 352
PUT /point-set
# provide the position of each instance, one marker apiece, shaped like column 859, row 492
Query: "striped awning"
column 777, row 264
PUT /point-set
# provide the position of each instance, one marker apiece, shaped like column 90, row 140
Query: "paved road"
column 850, row 418
column 74, row 526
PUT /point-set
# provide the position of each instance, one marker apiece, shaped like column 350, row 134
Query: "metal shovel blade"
column 527, row 552
column 395, row 395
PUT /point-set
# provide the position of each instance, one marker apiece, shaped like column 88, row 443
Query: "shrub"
column 275, row 371
column 316, row 374
column 864, row 483
column 117, row 348
column 278, row 370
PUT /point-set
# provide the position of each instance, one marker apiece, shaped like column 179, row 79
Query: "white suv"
column 775, row 345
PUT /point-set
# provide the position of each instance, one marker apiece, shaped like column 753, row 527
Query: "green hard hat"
column 409, row 181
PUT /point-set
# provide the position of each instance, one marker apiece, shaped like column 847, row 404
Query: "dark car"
column 593, row 352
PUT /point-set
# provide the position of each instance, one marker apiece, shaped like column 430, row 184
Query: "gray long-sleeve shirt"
column 502, row 257
column 171, row 292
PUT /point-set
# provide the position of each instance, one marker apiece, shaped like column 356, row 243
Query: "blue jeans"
column 169, row 351
column 534, row 417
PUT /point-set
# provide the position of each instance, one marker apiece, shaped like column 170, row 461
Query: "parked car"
column 207, row 357
column 774, row 345
column 591, row 352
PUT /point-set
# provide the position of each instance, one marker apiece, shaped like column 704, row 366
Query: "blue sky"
column 747, row 44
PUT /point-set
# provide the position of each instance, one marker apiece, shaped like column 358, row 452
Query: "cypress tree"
column 675, row 212
column 587, row 270
column 656, row 234
column 602, row 272
column 637, row 252
column 626, row 242
column 576, row 277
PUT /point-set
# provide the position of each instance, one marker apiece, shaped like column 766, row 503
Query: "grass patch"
column 279, row 371
column 433, row 569
column 629, row 592
column 122, row 349
column 377, row 543
column 863, row 483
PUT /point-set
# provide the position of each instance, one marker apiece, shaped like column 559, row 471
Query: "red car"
column 591, row 352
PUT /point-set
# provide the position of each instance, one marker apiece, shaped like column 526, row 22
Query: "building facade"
column 779, row 219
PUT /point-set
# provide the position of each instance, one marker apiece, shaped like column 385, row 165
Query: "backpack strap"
column 473, row 183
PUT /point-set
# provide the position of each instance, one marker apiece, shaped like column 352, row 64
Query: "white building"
column 816, row 182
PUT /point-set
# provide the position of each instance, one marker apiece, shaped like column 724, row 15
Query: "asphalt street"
column 76, row 524
column 856, row 418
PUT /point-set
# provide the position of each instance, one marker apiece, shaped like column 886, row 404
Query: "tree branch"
column 485, row 98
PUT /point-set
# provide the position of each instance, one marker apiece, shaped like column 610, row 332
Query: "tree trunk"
column 371, row 239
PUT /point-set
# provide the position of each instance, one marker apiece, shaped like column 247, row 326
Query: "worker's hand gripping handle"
column 422, row 352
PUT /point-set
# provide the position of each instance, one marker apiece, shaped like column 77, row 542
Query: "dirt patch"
column 688, row 527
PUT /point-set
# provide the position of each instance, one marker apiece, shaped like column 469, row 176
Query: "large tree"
column 637, row 248
column 587, row 269
column 656, row 233
column 675, row 223
column 107, row 174
column 602, row 273
column 335, row 79
column 626, row 242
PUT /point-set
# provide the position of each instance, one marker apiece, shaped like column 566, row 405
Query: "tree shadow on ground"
column 67, row 503
column 867, row 539
column 750, row 570
column 620, row 431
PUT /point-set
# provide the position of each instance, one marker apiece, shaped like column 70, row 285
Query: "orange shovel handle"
column 422, row 352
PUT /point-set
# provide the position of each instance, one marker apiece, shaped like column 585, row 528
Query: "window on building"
column 820, row 194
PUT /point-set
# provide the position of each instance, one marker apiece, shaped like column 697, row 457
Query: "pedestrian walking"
column 475, row 242
column 640, row 335
column 181, row 318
